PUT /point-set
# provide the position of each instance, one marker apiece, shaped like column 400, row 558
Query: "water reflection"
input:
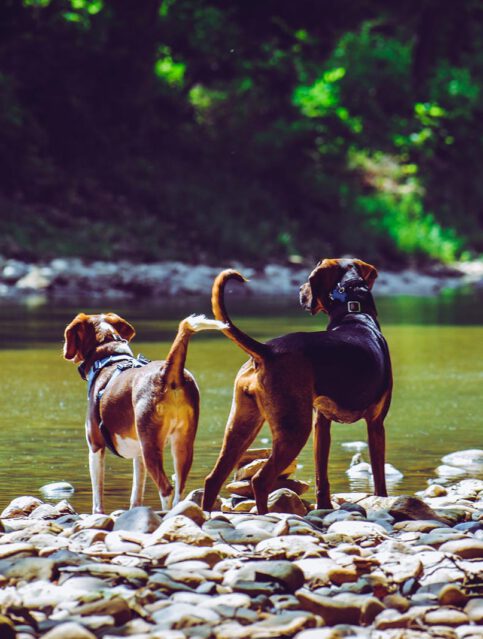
column 366, row 484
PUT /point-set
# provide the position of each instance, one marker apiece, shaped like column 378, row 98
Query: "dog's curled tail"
column 176, row 358
column 255, row 349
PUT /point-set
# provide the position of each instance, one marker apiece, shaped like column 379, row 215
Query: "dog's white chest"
column 127, row 447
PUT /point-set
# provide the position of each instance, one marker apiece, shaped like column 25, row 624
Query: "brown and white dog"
column 135, row 406
column 301, row 381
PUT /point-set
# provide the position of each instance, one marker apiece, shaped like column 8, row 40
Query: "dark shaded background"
column 254, row 130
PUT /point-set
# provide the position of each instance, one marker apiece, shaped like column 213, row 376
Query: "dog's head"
column 315, row 294
column 86, row 332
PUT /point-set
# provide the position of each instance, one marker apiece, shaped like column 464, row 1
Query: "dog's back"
column 351, row 365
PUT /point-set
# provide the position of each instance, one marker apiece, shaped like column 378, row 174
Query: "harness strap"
column 125, row 362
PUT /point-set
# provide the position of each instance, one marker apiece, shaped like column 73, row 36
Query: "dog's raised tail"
column 255, row 349
column 176, row 358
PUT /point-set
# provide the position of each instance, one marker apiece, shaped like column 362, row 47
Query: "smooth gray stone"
column 285, row 573
column 141, row 519
column 353, row 508
column 29, row 569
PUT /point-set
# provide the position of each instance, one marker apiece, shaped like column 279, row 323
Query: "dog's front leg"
column 96, row 470
column 138, row 482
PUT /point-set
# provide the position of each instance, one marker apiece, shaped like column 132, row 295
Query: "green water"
column 436, row 346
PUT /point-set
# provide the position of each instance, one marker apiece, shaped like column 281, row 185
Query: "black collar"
column 351, row 297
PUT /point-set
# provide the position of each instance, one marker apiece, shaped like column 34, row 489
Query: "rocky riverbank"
column 72, row 278
column 371, row 567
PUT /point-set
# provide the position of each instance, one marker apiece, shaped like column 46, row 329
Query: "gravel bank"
column 389, row 568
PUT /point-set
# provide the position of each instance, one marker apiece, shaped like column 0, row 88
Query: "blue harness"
column 124, row 362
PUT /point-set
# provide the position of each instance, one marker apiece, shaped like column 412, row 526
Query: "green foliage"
column 214, row 130
column 413, row 231
column 167, row 69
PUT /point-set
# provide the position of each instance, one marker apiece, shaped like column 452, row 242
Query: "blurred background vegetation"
column 206, row 130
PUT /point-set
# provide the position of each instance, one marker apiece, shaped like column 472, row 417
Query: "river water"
column 437, row 351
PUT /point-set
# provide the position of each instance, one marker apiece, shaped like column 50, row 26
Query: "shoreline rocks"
column 74, row 278
column 369, row 567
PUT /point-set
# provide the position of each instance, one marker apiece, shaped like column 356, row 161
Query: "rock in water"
column 247, row 471
column 470, row 460
column 243, row 488
column 357, row 447
column 57, row 490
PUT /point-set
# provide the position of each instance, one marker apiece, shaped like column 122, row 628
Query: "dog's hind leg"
column 151, row 435
column 243, row 425
column 138, row 482
column 290, row 431
column 321, row 433
column 182, row 452
column 377, row 449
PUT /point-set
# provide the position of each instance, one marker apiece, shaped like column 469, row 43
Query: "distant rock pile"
column 71, row 278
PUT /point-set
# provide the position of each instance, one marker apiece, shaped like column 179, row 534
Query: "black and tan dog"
column 344, row 373
column 136, row 406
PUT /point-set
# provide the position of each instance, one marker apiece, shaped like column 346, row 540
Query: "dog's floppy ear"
column 367, row 271
column 125, row 330
column 322, row 281
column 73, row 336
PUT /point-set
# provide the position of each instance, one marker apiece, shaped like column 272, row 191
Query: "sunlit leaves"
column 36, row 3
column 322, row 96
column 165, row 7
column 82, row 11
column 428, row 112
column 402, row 217
column 204, row 100
column 168, row 70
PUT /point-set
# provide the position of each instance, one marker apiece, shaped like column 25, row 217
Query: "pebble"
column 188, row 509
column 20, row 507
column 140, row 519
column 291, row 547
column 451, row 595
column 467, row 548
column 286, row 573
column 181, row 528
column 474, row 610
column 7, row 629
column 370, row 567
column 408, row 507
column 357, row 529
column 445, row 616
column 69, row 630
column 285, row 500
